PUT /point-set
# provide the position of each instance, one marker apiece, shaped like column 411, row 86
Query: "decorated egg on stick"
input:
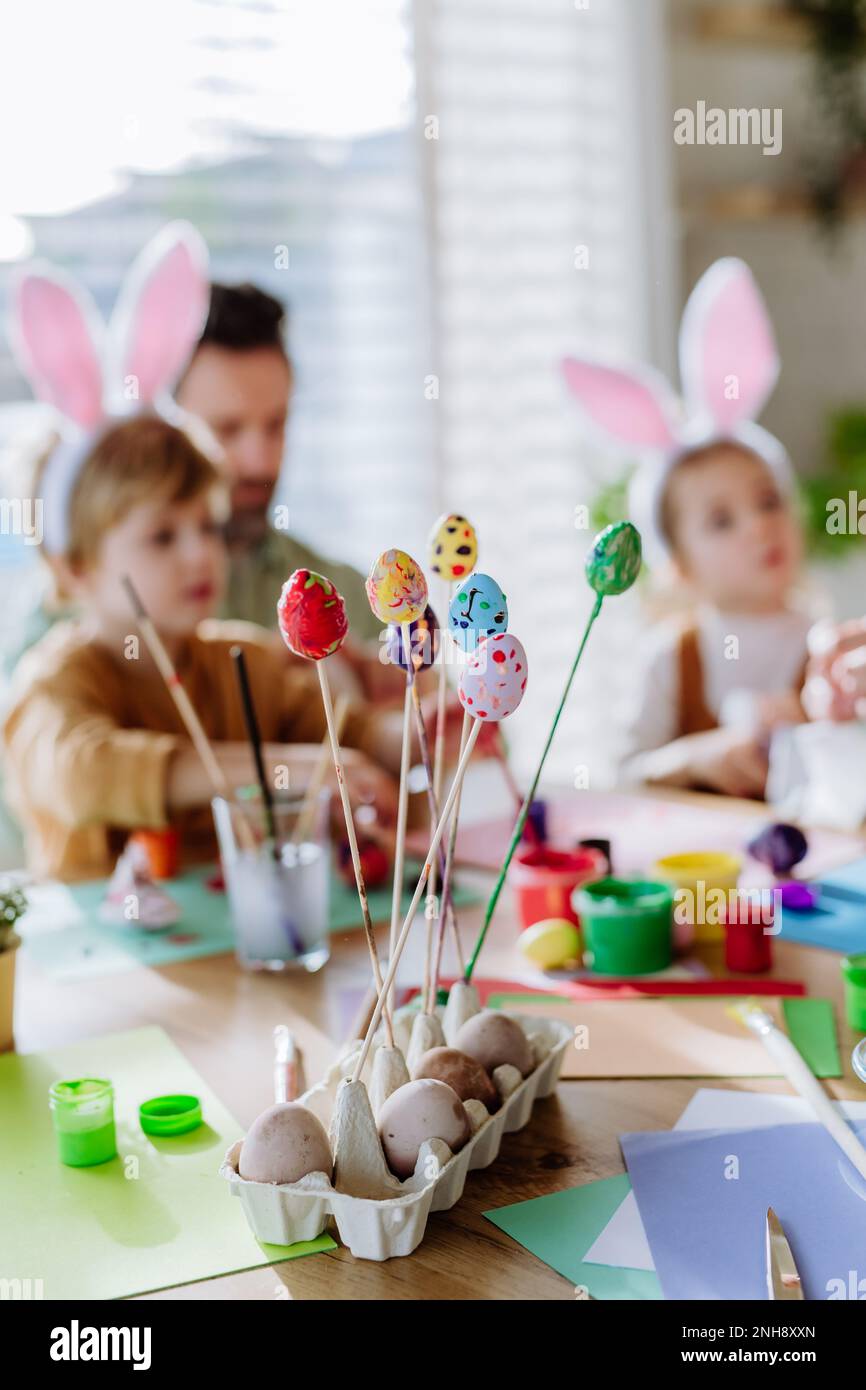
column 452, row 554
column 614, row 559
column 492, row 683
column 503, row 694
column 453, row 547
column 611, row 567
column 424, row 640
column 312, row 615
column 478, row 609
column 396, row 588
column 397, row 593
column 312, row 621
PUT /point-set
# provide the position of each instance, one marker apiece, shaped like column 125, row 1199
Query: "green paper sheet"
column 65, row 937
column 811, row 1025
column 157, row 1215
column 560, row 1228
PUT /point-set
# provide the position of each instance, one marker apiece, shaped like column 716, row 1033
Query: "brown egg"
column 423, row 1109
column 494, row 1039
column 461, row 1072
column 284, row 1144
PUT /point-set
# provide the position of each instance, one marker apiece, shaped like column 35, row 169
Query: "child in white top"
column 713, row 495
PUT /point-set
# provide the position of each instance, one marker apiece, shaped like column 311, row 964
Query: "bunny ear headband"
column 96, row 373
column 729, row 365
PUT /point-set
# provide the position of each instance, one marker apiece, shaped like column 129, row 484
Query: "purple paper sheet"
column 707, row 1231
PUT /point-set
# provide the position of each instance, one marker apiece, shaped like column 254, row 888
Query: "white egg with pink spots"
column 492, row 683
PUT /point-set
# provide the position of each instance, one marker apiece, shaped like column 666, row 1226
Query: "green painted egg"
column 614, row 559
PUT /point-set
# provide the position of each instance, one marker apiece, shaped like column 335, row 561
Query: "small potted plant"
column 13, row 905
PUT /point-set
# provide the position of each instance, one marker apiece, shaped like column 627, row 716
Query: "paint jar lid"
column 170, row 1115
column 858, row 1059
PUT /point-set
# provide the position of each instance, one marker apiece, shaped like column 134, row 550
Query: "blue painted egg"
column 478, row 610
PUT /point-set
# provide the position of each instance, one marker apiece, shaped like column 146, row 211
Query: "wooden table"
column 222, row 1019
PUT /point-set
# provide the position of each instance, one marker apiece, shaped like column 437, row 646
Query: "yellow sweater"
column 89, row 736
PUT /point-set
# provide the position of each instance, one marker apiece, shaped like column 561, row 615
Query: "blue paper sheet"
column 703, row 1197
column 838, row 922
column 64, row 935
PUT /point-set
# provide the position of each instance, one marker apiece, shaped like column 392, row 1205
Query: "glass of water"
column 278, row 892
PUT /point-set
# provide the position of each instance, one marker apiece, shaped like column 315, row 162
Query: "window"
column 432, row 171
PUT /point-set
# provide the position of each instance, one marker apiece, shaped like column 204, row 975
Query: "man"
column 239, row 382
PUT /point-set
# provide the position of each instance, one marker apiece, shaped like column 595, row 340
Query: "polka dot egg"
column 453, row 547
column 492, row 683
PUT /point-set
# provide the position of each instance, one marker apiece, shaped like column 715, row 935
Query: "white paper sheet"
column 623, row 1241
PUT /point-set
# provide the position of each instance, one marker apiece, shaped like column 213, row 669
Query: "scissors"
column 783, row 1279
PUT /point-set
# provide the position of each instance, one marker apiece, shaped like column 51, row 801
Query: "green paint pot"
column 83, row 1116
column 854, row 976
column 627, row 925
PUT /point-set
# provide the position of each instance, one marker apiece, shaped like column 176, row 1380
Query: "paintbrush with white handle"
column 796, row 1070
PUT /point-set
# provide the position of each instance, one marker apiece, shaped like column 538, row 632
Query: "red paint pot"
column 748, row 922
column 544, row 879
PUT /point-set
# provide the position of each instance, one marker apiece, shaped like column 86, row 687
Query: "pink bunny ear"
column 626, row 407
column 56, row 332
column 160, row 311
column 729, row 362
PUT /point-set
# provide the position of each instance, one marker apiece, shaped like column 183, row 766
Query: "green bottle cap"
column 167, row 1116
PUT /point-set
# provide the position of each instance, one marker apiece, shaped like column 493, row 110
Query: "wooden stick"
column 449, row 868
column 416, row 898
column 438, row 777
column 446, row 903
column 439, row 744
column 403, row 795
column 182, row 701
column 353, row 842
column 184, row 707
column 306, row 815
column 530, row 796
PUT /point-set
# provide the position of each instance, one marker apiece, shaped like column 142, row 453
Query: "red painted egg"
column 312, row 615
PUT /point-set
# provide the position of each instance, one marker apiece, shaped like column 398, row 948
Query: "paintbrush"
column 796, row 1070
column 255, row 738
column 184, row 707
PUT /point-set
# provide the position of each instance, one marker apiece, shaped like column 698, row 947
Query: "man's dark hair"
column 243, row 317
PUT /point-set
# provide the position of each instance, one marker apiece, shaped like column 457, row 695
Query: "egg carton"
column 392, row 1221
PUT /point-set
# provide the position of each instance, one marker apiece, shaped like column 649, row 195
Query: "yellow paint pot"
column 701, row 880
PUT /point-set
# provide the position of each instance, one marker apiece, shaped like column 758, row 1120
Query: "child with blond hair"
column 713, row 497
column 94, row 747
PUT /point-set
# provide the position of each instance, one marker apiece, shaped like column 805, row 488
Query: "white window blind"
column 543, row 147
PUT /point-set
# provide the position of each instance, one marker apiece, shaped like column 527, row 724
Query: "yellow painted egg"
column 550, row 944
